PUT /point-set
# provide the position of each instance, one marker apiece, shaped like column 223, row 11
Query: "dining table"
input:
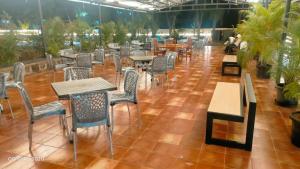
column 141, row 58
column 64, row 89
column 172, row 46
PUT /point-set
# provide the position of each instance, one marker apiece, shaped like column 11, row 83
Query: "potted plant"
column 262, row 31
column 82, row 30
column 8, row 49
column 54, row 30
column 120, row 34
column 290, row 71
column 292, row 90
column 107, row 30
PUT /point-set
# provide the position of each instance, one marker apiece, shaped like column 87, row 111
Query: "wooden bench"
column 230, row 61
column 227, row 103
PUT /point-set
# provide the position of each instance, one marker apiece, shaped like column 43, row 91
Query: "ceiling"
column 169, row 5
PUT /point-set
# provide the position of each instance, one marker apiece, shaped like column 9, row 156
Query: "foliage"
column 171, row 20
column 8, row 49
column 82, row 30
column 291, row 70
column 120, row 34
column 138, row 24
column 175, row 34
column 107, row 30
column 79, row 27
column 34, row 48
column 153, row 25
column 88, row 43
column 262, row 31
column 23, row 25
column 53, row 33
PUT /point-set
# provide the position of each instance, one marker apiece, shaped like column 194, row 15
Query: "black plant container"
column 263, row 71
column 281, row 100
column 295, row 137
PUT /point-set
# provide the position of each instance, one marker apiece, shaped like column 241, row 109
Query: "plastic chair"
column 158, row 67
column 76, row 73
column 119, row 69
column 3, row 94
column 40, row 112
column 89, row 110
column 129, row 95
column 18, row 75
column 54, row 67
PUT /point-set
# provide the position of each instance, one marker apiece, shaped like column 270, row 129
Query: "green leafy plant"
column 8, row 49
column 54, row 30
column 291, row 67
column 120, row 34
column 107, row 30
column 83, row 31
column 262, row 31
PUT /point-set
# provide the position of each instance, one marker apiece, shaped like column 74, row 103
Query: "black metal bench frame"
column 251, row 100
column 231, row 64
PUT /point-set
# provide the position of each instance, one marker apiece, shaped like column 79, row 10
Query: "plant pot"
column 263, row 71
column 295, row 137
column 281, row 100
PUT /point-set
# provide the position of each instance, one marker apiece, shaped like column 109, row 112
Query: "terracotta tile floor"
column 172, row 133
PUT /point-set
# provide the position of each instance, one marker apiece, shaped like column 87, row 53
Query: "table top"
column 226, row 99
column 174, row 45
column 114, row 47
column 73, row 55
column 66, row 88
column 230, row 58
column 142, row 58
column 69, row 55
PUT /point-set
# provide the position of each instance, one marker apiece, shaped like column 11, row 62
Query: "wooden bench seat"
column 225, row 99
column 230, row 61
column 228, row 103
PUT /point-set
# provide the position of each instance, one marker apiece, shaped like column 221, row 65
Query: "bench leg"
column 224, row 65
column 250, row 127
column 209, row 125
column 223, row 68
column 240, row 70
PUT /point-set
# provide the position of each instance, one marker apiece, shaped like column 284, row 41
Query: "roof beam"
column 206, row 7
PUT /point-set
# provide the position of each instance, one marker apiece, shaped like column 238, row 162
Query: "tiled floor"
column 172, row 133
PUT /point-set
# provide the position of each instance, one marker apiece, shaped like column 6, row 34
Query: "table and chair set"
column 182, row 49
column 89, row 100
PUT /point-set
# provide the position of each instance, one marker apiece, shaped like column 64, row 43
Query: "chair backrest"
column 171, row 58
column 76, row 73
column 117, row 63
column 50, row 61
column 84, row 60
column 127, row 44
column 19, row 72
column 130, row 84
column 155, row 44
column 90, row 107
column 159, row 64
column 99, row 55
column 138, row 53
column 68, row 51
column 26, row 99
column 124, row 51
column 2, row 86
column 147, row 46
